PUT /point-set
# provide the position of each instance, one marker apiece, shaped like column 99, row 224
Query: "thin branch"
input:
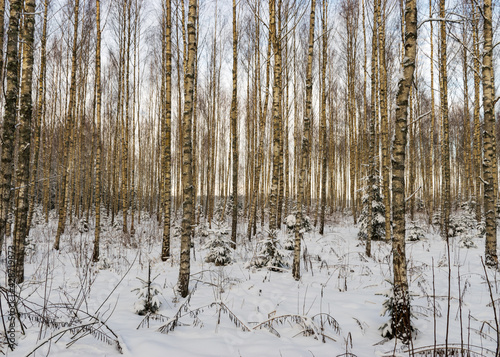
column 494, row 308
column 59, row 333
column 413, row 194
column 420, row 117
column 438, row 19
column 480, row 8
column 485, row 182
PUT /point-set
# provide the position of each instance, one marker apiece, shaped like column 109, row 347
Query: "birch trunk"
column 234, row 129
column 187, row 168
column 68, row 139
column 167, row 150
column 489, row 139
column 305, row 148
column 401, row 327
column 9, row 118
column 23, row 163
column 95, row 254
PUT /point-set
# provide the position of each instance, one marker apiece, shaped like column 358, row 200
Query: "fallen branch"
column 60, row 332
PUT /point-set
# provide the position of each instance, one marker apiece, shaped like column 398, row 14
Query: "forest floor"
column 71, row 307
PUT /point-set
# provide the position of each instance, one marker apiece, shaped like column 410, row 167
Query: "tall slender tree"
column 324, row 138
column 167, row 150
column 401, row 327
column 2, row 25
column 125, row 115
column 234, row 128
column 466, row 114
column 23, row 160
column 279, row 84
column 305, row 148
column 478, row 145
column 95, row 254
column 489, row 138
column 262, row 112
column 276, row 43
column 431, row 166
column 445, row 156
column 350, row 14
column 68, row 135
column 373, row 187
column 187, row 169
column 384, row 125
column 10, row 116
column 40, row 112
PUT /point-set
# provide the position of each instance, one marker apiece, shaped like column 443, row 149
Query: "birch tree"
column 401, row 327
column 10, row 115
column 489, row 138
column 305, row 148
column 187, row 169
column 276, row 115
column 23, row 160
column 40, row 111
column 167, row 127
column 95, row 254
column 234, row 128
column 445, row 156
column 68, row 135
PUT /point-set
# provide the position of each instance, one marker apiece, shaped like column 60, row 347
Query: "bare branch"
column 482, row 180
column 413, row 194
column 438, row 19
column 420, row 117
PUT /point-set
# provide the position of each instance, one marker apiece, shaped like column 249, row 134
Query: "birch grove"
column 273, row 118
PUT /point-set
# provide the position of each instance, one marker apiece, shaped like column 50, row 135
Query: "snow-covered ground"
column 338, row 281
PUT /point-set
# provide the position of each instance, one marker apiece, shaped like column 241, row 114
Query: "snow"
column 337, row 279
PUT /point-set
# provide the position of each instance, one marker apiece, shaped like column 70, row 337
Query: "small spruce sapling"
column 223, row 207
column 414, row 232
column 29, row 247
column 289, row 242
column 104, row 263
column 83, row 225
column 378, row 217
column 219, row 246
column 436, row 218
column 291, row 222
column 306, row 224
column 202, row 231
column 270, row 255
column 148, row 295
column 364, row 219
column 463, row 225
column 390, row 305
